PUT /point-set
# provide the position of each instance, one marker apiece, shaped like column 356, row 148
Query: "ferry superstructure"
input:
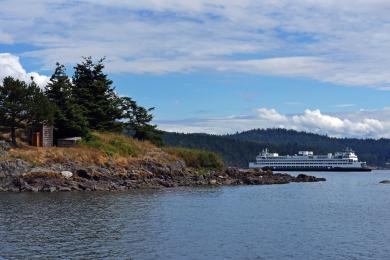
column 307, row 161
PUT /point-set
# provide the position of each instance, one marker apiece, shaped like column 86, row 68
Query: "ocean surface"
column 346, row 217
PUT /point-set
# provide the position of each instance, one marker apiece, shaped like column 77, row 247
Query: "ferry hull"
column 318, row 169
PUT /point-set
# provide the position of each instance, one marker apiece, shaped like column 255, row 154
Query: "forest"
column 240, row 148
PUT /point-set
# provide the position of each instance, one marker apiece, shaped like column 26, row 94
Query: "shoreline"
column 144, row 175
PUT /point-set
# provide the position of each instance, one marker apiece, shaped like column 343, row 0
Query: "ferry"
column 308, row 161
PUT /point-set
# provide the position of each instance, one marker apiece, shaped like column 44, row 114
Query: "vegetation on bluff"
column 105, row 148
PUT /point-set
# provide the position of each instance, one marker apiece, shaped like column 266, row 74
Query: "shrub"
column 114, row 144
column 196, row 158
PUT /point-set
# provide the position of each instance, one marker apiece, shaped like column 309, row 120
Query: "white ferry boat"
column 307, row 161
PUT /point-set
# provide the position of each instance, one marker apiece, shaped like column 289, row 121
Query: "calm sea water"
column 347, row 217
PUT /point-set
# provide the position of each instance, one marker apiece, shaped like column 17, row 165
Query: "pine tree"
column 96, row 96
column 13, row 105
column 69, row 120
column 138, row 121
column 39, row 108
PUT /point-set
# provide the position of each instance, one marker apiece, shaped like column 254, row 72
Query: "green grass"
column 113, row 144
column 197, row 158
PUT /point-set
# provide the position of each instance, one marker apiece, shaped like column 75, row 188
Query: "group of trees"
column 74, row 106
column 22, row 105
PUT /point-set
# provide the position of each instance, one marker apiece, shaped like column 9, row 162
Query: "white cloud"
column 271, row 115
column 315, row 121
column 344, row 42
column 360, row 124
column 10, row 66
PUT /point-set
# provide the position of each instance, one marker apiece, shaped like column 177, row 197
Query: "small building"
column 68, row 142
column 43, row 137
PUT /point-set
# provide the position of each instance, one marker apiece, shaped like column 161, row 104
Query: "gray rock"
column 66, row 174
column 14, row 167
column 64, row 189
column 213, row 182
column 4, row 147
column 40, row 170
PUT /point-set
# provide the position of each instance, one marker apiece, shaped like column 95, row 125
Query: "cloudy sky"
column 219, row 66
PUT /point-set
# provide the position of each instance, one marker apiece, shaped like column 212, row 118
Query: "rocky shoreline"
column 19, row 176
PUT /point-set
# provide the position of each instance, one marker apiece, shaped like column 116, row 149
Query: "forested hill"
column 240, row 148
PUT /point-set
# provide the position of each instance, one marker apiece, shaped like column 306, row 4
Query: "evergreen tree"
column 138, row 121
column 13, row 105
column 39, row 108
column 93, row 91
column 69, row 120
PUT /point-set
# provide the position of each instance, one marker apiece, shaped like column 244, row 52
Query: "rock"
column 304, row 178
column 82, row 173
column 27, row 187
column 385, row 182
column 213, row 182
column 4, row 145
column 64, row 189
column 40, row 170
column 17, row 175
column 66, row 174
column 13, row 168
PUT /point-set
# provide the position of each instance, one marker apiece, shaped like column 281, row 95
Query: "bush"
column 113, row 144
column 196, row 158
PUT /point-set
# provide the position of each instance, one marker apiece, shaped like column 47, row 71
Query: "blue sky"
column 318, row 66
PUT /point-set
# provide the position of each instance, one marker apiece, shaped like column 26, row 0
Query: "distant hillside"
column 240, row 148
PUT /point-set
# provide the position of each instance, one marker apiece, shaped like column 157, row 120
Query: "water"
column 347, row 217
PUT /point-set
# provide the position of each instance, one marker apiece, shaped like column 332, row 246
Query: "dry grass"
column 103, row 148
column 41, row 156
column 121, row 150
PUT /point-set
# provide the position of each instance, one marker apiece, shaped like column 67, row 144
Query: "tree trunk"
column 13, row 136
column 13, row 130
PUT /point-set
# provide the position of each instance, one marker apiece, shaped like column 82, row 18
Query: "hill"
column 240, row 148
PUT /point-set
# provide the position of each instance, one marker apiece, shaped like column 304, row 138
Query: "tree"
column 138, row 121
column 68, row 115
column 93, row 91
column 39, row 108
column 13, row 105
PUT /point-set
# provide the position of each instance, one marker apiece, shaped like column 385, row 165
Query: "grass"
column 196, row 158
column 101, row 149
column 107, row 148
column 116, row 145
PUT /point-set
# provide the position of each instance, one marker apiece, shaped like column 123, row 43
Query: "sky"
column 219, row 66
